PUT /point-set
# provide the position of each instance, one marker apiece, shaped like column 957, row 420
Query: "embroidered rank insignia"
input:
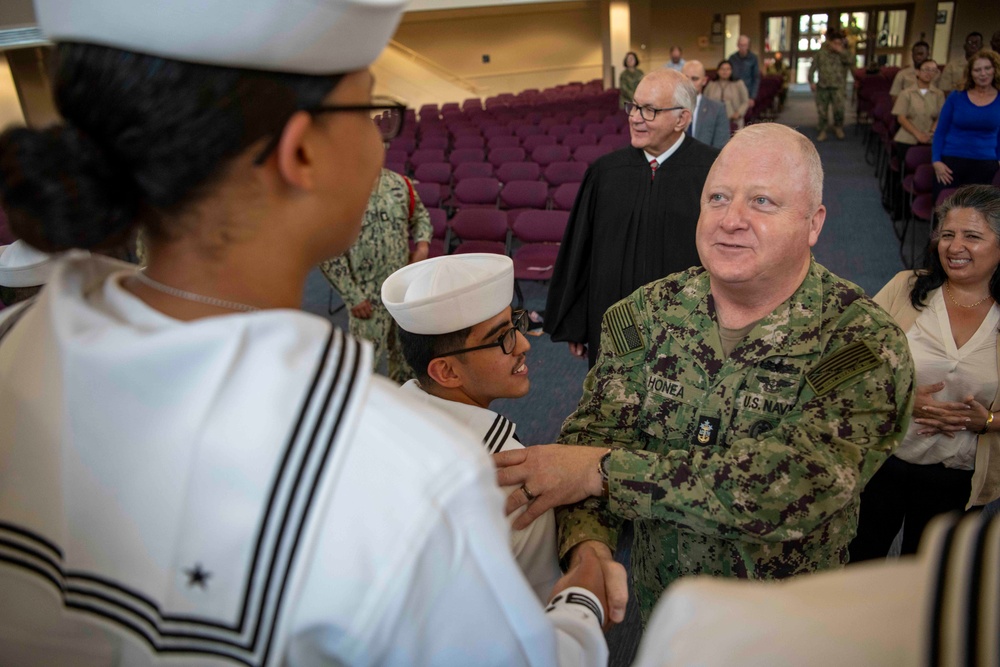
column 707, row 432
column 624, row 332
column 842, row 365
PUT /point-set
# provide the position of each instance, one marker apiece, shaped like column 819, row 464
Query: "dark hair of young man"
column 420, row 349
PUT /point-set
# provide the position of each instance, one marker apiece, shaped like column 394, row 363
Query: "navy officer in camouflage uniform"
column 736, row 410
column 394, row 215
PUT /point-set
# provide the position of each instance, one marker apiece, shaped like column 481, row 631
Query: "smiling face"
column 489, row 374
column 968, row 248
column 656, row 136
column 759, row 218
column 982, row 72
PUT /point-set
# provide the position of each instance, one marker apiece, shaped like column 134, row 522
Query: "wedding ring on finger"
column 528, row 494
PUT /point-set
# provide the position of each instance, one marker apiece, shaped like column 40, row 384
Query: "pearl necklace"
column 962, row 305
column 141, row 276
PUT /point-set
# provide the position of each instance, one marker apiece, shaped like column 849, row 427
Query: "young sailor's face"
column 490, row 374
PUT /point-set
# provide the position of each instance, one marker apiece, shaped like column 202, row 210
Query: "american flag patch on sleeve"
column 625, row 335
column 842, row 365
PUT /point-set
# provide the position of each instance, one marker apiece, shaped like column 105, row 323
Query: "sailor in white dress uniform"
column 193, row 471
column 433, row 300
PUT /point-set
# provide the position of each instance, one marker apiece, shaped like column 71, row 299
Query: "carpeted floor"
column 857, row 243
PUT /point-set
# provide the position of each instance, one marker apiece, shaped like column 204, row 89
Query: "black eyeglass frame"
column 631, row 106
column 386, row 105
column 519, row 322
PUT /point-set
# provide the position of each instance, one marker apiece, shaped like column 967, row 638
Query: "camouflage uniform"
column 833, row 68
column 381, row 248
column 750, row 466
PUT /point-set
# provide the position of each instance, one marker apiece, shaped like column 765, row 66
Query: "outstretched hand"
column 553, row 475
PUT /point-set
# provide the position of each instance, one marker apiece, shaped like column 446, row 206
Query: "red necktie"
column 653, row 164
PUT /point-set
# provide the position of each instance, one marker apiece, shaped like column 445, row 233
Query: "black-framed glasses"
column 647, row 113
column 387, row 114
column 507, row 340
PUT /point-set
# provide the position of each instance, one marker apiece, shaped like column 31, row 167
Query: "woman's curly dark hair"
column 982, row 198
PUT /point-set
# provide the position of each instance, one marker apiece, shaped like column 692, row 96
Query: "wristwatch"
column 602, row 467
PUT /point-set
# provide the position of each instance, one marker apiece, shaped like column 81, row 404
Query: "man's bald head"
column 695, row 72
column 774, row 134
column 743, row 45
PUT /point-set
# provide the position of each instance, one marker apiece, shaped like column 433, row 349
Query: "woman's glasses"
column 387, row 114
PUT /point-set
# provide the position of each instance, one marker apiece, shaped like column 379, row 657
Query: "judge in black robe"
column 626, row 229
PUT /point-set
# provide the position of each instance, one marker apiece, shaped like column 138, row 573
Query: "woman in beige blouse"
column 731, row 93
column 917, row 109
column 950, row 457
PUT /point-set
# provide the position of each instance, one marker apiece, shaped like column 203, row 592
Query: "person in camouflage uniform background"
column 832, row 62
column 735, row 455
column 382, row 248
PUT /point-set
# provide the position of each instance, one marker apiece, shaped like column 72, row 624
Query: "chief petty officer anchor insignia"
column 708, row 430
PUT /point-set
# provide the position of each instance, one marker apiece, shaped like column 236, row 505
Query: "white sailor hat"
column 23, row 266
column 450, row 293
column 299, row 36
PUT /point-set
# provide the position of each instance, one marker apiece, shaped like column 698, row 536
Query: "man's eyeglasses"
column 647, row 113
column 507, row 340
column 387, row 114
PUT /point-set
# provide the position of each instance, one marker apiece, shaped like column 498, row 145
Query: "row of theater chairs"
column 531, row 238
column 511, row 196
column 543, row 155
column 592, row 109
column 528, row 137
column 526, row 98
column 443, row 175
column 907, row 184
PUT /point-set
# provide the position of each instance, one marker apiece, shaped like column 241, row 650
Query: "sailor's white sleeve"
column 420, row 572
column 867, row 614
column 468, row 602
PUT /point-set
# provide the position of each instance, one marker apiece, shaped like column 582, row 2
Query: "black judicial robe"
column 625, row 231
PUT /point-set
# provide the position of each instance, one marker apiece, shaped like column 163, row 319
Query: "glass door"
column 812, row 29
column 874, row 36
column 855, row 27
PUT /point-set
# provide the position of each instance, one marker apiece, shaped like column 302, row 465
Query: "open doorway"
column 874, row 35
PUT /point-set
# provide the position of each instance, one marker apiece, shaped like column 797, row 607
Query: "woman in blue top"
column 966, row 147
